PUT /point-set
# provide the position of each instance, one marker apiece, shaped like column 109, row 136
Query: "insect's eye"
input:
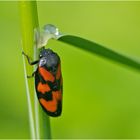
column 43, row 60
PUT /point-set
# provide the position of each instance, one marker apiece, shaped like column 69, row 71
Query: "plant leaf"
column 100, row 50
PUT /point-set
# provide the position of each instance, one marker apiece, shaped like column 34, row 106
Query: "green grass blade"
column 99, row 50
column 39, row 121
column 27, row 27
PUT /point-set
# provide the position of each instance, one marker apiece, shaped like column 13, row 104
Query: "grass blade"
column 29, row 22
column 99, row 50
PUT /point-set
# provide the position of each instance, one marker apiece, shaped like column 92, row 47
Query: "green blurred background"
column 101, row 98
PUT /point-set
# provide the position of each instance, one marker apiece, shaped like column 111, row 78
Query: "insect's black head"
column 49, row 59
column 45, row 52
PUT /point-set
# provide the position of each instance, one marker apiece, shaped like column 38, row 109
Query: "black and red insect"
column 48, row 81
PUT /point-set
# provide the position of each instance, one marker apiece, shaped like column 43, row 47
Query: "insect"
column 48, row 81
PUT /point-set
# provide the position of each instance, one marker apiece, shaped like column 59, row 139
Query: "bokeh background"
column 101, row 98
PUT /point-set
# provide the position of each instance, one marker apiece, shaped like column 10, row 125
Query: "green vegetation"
column 39, row 121
column 100, row 50
column 101, row 97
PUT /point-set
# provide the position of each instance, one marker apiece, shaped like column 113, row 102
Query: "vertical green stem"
column 39, row 121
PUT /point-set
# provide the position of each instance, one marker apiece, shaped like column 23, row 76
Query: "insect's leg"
column 29, row 61
column 33, row 74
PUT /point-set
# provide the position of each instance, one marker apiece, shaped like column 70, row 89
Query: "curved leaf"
column 100, row 50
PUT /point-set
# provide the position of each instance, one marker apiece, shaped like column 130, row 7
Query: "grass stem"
column 39, row 121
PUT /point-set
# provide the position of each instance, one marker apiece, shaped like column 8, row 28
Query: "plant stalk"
column 39, row 121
